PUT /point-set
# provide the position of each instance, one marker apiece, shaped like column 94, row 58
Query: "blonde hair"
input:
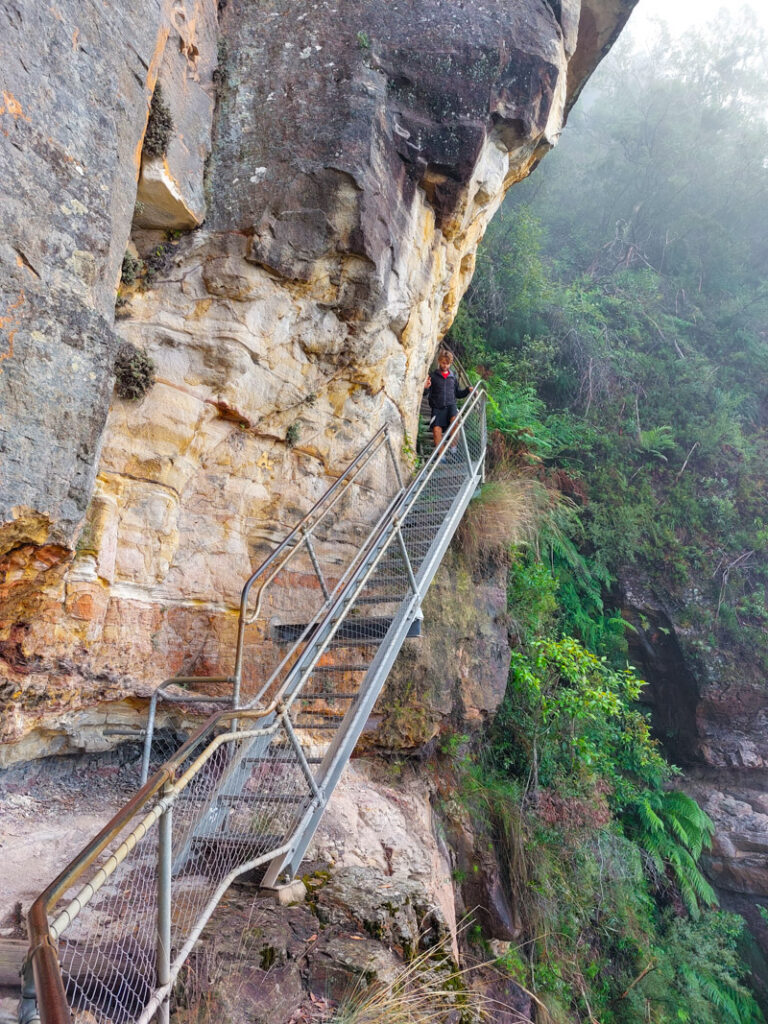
column 444, row 354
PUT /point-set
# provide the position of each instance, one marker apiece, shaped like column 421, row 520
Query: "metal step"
column 328, row 694
column 340, row 668
column 232, row 847
column 361, row 630
column 400, row 581
column 224, row 851
column 279, row 760
column 342, row 640
column 313, row 726
column 261, row 798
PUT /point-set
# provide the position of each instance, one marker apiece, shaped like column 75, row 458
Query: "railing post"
column 465, row 446
column 406, row 558
column 391, row 451
column 164, row 862
column 316, row 564
column 149, row 737
column 28, row 1012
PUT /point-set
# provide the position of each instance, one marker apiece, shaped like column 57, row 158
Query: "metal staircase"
column 320, row 625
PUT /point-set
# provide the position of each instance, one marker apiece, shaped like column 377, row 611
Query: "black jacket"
column 444, row 391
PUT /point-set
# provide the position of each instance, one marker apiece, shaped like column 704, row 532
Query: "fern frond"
column 723, row 1000
column 649, row 817
column 676, row 827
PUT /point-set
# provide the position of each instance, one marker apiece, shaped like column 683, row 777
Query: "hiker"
column 443, row 391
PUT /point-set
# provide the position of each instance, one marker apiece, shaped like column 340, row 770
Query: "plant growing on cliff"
column 132, row 268
column 409, row 453
column 567, row 712
column 674, row 830
column 156, row 263
column 134, row 372
column 160, row 125
column 292, row 435
column 697, row 975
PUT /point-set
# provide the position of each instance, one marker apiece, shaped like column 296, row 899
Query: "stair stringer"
column 352, row 726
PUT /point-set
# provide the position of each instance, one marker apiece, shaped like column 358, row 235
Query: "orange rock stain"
column 12, row 106
column 7, row 321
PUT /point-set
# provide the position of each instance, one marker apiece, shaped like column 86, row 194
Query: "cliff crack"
column 105, row 474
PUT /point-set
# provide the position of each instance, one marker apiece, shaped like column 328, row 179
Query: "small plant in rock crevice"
column 156, row 263
column 292, row 435
column 409, row 453
column 134, row 372
column 159, row 126
column 132, row 269
column 143, row 272
column 122, row 307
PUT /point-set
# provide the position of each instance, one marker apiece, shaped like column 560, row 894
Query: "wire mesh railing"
column 110, row 935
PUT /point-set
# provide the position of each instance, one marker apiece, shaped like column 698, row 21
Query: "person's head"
column 444, row 359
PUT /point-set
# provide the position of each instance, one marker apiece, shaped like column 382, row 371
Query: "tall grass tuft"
column 507, row 512
column 429, row 989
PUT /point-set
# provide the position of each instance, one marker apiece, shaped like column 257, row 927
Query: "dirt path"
column 49, row 809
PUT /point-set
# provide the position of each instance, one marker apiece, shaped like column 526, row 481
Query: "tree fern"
column 650, row 819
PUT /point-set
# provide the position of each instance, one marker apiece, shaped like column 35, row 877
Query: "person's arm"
column 462, row 392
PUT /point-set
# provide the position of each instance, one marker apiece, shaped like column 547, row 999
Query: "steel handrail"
column 42, row 955
column 393, row 517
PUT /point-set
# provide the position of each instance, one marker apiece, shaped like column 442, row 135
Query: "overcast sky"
column 682, row 14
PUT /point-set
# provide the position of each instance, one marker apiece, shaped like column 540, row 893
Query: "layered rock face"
column 339, row 165
column 454, row 677
column 709, row 710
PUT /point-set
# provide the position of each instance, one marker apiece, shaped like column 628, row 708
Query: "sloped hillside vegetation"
column 618, row 315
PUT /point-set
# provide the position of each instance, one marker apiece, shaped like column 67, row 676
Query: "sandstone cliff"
column 325, row 179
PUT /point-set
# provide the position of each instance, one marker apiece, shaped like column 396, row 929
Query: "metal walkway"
column 320, row 625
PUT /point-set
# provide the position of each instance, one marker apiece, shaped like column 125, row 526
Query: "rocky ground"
column 49, row 809
column 264, row 964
